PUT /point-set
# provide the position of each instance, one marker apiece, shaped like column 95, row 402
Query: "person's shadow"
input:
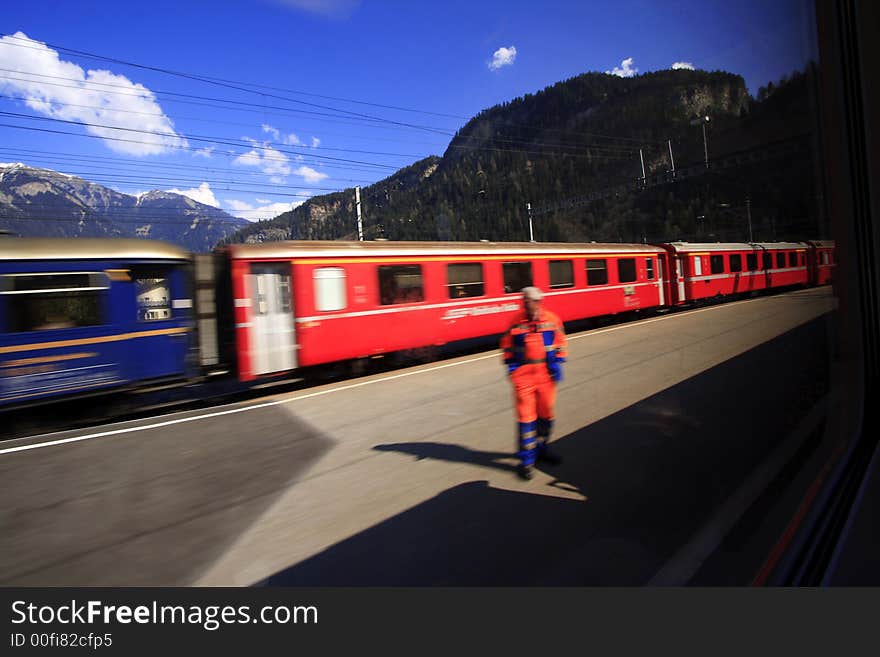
column 504, row 461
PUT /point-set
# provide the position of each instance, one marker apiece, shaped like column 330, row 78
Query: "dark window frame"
column 469, row 289
column 390, row 290
column 634, row 273
column 35, row 307
column 600, row 272
column 515, row 286
column 557, row 286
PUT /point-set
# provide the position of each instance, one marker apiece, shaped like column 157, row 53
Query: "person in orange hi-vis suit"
column 534, row 347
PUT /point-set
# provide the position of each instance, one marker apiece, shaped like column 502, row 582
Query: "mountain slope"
column 573, row 151
column 41, row 202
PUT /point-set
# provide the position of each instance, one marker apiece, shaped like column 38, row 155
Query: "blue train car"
column 79, row 316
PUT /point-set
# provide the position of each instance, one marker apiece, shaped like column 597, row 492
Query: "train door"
column 679, row 277
column 272, row 336
column 661, row 280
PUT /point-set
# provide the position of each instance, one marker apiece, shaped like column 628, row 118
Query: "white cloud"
column 279, row 137
column 202, row 194
column 502, row 57
column 268, row 210
column 204, row 152
column 625, row 70
column 338, row 9
column 310, row 175
column 685, row 65
column 82, row 98
column 264, row 201
column 315, row 142
column 276, row 135
column 272, row 162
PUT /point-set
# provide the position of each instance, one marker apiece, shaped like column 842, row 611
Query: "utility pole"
column 671, row 159
column 531, row 234
column 357, row 197
column 749, row 215
column 703, row 120
column 642, row 158
column 705, row 146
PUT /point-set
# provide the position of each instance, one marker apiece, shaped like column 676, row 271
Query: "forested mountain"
column 574, row 152
column 43, row 203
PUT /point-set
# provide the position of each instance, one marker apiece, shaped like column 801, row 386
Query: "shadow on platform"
column 651, row 474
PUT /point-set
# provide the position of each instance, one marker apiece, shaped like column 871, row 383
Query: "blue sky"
column 256, row 151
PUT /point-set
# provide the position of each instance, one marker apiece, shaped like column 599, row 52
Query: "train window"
column 780, row 260
column 465, row 280
column 561, row 273
column 153, row 292
column 37, row 302
column 698, row 265
column 792, row 259
column 824, row 257
column 801, row 258
column 626, row 270
column 736, row 263
column 649, row 266
column 751, row 261
column 766, row 261
column 517, row 275
column 330, row 288
column 400, row 284
column 597, row 271
column 716, row 264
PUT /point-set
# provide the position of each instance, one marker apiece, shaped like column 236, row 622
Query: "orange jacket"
column 531, row 343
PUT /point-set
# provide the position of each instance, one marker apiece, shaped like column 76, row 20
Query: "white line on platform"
column 253, row 407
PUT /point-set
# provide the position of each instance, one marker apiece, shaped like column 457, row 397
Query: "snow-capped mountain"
column 44, row 203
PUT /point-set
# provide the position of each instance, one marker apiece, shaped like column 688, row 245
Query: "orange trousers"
column 535, row 393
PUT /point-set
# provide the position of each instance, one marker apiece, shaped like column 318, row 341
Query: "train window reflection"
column 649, row 263
column 153, row 297
column 464, row 280
column 400, row 284
column 39, row 302
column 561, row 273
column 517, row 275
column 716, row 264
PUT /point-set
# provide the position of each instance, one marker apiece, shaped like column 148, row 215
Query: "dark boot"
column 525, row 472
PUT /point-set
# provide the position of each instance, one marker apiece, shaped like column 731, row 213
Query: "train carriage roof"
column 88, row 248
column 687, row 247
column 293, row 249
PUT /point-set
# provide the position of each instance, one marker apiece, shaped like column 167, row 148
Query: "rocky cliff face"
column 40, row 202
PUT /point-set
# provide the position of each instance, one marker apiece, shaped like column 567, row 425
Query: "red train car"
column 703, row 271
column 299, row 304
column 822, row 262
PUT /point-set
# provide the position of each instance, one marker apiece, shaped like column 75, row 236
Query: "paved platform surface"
column 408, row 478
